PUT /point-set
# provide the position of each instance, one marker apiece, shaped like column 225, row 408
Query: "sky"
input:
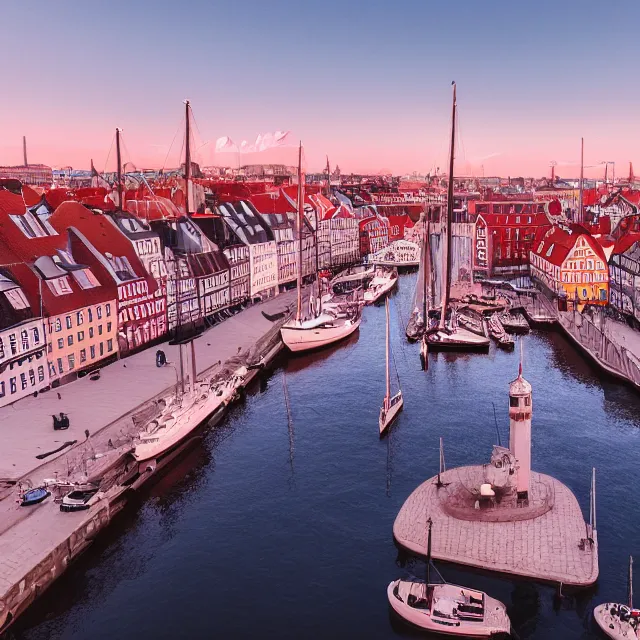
column 366, row 83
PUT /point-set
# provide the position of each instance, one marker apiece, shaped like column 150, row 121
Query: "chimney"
column 24, row 150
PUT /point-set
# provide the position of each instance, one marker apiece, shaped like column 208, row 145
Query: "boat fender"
column 161, row 358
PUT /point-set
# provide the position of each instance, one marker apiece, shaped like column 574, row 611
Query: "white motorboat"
column 383, row 282
column 392, row 405
column 619, row 621
column 448, row 609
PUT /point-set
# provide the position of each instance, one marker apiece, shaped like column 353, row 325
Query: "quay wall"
column 38, row 543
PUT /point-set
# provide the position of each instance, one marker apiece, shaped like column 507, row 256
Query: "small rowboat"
column 34, row 496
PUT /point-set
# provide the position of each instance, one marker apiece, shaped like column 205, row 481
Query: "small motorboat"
column 619, row 621
column 514, row 322
column 381, row 284
column 34, row 496
column 448, row 609
column 79, row 499
column 497, row 332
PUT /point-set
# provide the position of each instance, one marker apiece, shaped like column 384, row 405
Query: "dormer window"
column 85, row 278
column 32, row 226
column 59, row 286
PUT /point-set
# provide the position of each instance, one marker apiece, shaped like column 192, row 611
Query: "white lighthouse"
column 520, row 431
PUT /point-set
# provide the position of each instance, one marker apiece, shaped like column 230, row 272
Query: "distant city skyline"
column 365, row 83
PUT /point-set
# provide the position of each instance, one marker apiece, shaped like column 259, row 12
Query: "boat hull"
column 423, row 620
column 611, row 624
column 375, row 293
column 460, row 340
column 298, row 340
column 385, row 420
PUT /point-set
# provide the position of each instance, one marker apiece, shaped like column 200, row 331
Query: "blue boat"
column 34, row 496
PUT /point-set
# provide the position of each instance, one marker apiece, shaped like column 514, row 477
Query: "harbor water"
column 282, row 529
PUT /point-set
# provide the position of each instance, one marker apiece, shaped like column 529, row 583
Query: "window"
column 90, row 313
column 50, row 347
column 25, row 340
column 513, row 401
column 12, row 385
column 36, row 335
column 13, row 344
column 70, row 340
column 2, row 389
column 99, row 329
column 68, row 321
column 80, row 336
column 86, row 279
column 527, row 401
column 90, row 332
column 92, row 351
column 108, row 309
column 32, row 377
column 60, row 343
column 108, row 327
column 603, row 294
column 110, row 345
column 584, row 293
column 72, row 360
column 80, row 317
column 1, row 348
column 16, row 298
column 59, row 286
column 58, row 324
column 102, row 348
column 23, row 381
column 83, row 355
column 41, row 373
column 99, row 312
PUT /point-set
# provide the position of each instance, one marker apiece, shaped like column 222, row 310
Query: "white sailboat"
column 382, row 283
column 448, row 609
column 328, row 327
column 620, row 621
column 392, row 405
column 450, row 336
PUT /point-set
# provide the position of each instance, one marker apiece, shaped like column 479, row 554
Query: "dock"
column 554, row 546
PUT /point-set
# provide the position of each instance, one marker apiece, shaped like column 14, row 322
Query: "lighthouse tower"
column 520, row 431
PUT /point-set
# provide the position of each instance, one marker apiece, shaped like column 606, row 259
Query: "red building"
column 374, row 234
column 96, row 240
column 503, row 236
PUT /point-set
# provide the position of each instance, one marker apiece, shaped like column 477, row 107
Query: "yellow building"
column 569, row 261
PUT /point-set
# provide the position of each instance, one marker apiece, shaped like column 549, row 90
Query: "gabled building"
column 77, row 304
column 503, row 240
column 342, row 229
column 624, row 275
column 571, row 263
column 23, row 354
column 374, row 233
column 242, row 226
column 97, row 241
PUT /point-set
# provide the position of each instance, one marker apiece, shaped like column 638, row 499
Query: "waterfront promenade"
column 26, row 427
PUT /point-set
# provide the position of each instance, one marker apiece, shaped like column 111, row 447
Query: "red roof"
column 157, row 208
column 625, row 242
column 558, row 241
column 274, row 202
column 102, row 233
column 515, row 219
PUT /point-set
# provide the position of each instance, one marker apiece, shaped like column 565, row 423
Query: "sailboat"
column 450, row 336
column 620, row 621
column 418, row 321
column 448, row 609
column 392, row 405
column 327, row 327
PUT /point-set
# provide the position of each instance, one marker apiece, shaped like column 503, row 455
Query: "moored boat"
column 383, row 281
column 448, row 609
column 619, row 621
column 497, row 332
column 392, row 405
column 514, row 322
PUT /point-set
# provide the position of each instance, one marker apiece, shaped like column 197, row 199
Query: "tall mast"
column 581, row 180
column 119, row 161
column 187, row 156
column 24, row 150
column 300, row 210
column 425, row 269
column 631, row 582
column 388, row 395
column 446, row 283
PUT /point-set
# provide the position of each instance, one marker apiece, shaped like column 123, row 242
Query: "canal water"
column 272, row 530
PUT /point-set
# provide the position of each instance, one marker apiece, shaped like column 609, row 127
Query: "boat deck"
column 549, row 547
